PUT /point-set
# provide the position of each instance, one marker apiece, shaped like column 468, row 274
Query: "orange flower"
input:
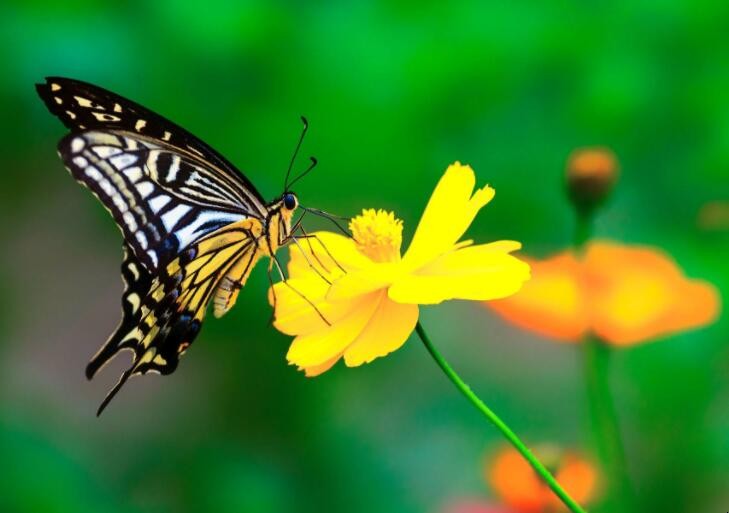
column 622, row 294
column 519, row 487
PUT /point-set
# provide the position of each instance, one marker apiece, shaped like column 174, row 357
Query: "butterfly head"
column 280, row 215
column 289, row 201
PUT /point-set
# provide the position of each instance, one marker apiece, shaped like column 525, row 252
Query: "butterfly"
column 193, row 225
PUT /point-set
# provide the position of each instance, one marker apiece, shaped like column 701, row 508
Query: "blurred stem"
column 496, row 421
column 603, row 415
column 583, row 229
column 605, row 425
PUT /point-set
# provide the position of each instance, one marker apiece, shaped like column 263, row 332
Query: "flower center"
column 378, row 234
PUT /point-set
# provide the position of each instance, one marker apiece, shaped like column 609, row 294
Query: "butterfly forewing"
column 82, row 106
column 161, row 200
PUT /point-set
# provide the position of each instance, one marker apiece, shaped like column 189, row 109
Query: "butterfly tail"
column 137, row 281
column 109, row 396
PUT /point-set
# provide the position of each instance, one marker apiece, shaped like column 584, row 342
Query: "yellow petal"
column 449, row 213
column 300, row 304
column 388, row 329
column 315, row 370
column 368, row 279
column 320, row 346
column 475, row 273
column 324, row 252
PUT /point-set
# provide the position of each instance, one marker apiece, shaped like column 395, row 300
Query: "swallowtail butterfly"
column 193, row 225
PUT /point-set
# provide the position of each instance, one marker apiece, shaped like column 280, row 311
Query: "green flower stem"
column 496, row 421
column 603, row 415
column 605, row 425
column 583, row 230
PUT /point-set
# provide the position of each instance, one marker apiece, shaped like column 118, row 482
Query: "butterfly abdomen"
column 226, row 293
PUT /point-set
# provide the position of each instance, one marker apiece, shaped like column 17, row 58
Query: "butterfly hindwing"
column 160, row 325
column 137, row 282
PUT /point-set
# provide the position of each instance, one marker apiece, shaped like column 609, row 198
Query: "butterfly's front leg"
column 272, row 289
column 274, row 262
column 309, row 237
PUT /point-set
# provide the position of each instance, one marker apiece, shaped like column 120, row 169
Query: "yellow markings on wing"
column 228, row 252
column 225, row 255
column 158, row 293
column 217, row 263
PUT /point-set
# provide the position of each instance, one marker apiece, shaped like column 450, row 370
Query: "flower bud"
column 591, row 174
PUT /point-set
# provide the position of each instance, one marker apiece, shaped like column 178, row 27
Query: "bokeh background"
column 394, row 92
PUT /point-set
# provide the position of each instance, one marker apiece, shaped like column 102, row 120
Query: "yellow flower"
column 371, row 306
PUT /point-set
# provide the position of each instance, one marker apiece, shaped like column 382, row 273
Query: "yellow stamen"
column 378, row 234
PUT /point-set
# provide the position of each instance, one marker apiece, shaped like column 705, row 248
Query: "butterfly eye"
column 289, row 201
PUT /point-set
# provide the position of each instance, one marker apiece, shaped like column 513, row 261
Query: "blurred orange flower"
column 520, row 488
column 623, row 294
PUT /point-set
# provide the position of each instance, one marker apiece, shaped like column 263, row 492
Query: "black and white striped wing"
column 82, row 106
column 161, row 201
column 164, row 187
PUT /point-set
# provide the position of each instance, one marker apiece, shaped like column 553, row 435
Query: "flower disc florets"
column 378, row 234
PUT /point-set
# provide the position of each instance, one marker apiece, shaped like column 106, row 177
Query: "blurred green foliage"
column 394, row 91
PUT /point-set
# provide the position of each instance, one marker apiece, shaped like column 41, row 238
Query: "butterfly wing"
column 137, row 283
column 82, row 106
column 187, row 215
column 163, row 314
column 161, row 200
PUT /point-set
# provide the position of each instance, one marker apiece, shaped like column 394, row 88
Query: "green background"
column 394, row 92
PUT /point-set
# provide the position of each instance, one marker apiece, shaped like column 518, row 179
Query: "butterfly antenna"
column 296, row 152
column 313, row 164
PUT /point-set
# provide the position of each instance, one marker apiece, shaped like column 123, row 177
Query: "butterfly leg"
column 311, row 250
column 277, row 264
column 292, row 237
column 308, row 238
column 298, row 226
column 273, row 293
column 310, row 263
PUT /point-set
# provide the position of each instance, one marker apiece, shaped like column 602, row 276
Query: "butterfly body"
column 193, row 226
